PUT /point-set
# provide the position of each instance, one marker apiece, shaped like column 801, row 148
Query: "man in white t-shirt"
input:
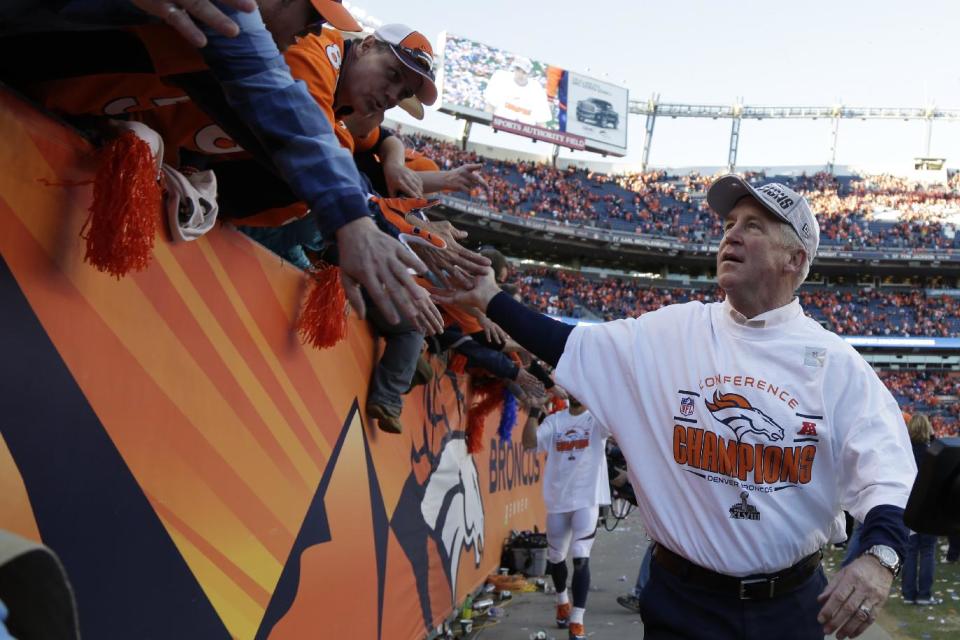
column 575, row 484
column 748, row 429
column 516, row 96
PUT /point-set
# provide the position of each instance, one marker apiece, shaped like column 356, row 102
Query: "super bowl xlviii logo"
column 686, row 406
column 743, row 510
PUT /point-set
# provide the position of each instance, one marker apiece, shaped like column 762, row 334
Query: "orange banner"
column 199, row 471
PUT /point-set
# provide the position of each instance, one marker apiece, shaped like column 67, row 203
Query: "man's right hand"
column 180, row 15
column 484, row 289
column 531, row 386
column 375, row 261
column 456, row 264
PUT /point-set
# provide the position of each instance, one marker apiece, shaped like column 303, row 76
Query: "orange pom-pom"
column 323, row 321
column 127, row 202
column 486, row 399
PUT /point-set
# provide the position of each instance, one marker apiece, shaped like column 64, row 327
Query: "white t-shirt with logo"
column 527, row 104
column 576, row 471
column 745, row 439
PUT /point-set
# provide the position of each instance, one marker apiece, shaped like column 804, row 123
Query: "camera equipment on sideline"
column 617, row 464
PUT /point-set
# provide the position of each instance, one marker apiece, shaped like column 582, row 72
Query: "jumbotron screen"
column 531, row 98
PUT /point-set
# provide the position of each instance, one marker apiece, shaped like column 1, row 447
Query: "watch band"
column 878, row 551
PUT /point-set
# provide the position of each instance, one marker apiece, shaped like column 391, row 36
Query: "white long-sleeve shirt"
column 745, row 439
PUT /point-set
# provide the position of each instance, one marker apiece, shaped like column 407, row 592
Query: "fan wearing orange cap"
column 346, row 78
column 364, row 78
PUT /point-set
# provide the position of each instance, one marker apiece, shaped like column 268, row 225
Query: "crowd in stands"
column 932, row 393
column 853, row 311
column 854, row 213
column 857, row 311
column 873, row 312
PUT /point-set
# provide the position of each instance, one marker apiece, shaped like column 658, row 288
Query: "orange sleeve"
column 416, row 161
column 453, row 314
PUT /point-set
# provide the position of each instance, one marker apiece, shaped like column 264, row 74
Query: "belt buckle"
column 745, row 583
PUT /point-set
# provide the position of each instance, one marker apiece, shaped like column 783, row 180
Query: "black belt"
column 759, row 587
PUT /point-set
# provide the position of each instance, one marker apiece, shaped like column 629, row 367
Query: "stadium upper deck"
column 879, row 217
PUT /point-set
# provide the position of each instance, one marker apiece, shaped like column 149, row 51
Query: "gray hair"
column 792, row 242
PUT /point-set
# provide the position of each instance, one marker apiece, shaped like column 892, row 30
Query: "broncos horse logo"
column 441, row 503
column 452, row 506
column 741, row 417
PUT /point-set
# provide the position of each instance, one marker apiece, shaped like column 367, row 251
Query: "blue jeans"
column 920, row 559
column 393, row 373
column 644, row 576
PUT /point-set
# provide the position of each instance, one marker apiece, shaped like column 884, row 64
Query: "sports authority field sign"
column 539, row 133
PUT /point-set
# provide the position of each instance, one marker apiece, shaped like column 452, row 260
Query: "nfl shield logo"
column 686, row 406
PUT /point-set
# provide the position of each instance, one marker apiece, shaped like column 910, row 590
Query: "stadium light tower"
column 836, row 113
column 648, row 129
column 736, row 118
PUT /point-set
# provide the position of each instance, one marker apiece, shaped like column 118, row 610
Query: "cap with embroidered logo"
column 779, row 199
column 414, row 50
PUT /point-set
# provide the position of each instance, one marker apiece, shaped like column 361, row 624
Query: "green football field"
column 903, row 621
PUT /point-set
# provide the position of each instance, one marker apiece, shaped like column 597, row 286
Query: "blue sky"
column 878, row 53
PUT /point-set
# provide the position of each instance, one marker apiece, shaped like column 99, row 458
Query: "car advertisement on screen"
column 528, row 97
column 596, row 110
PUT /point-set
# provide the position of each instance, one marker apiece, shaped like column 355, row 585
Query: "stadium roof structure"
column 653, row 108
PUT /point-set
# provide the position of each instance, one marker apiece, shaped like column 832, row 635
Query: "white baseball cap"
column 523, row 63
column 778, row 199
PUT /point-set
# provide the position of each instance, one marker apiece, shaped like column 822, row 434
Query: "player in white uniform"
column 575, row 484
column 517, row 96
column 747, row 429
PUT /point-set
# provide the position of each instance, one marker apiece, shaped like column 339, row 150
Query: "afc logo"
column 808, row 429
column 686, row 406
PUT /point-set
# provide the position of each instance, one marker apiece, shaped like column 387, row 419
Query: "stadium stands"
column 855, row 213
column 846, row 311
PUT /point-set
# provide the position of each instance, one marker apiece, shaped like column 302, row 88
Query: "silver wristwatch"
column 886, row 556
